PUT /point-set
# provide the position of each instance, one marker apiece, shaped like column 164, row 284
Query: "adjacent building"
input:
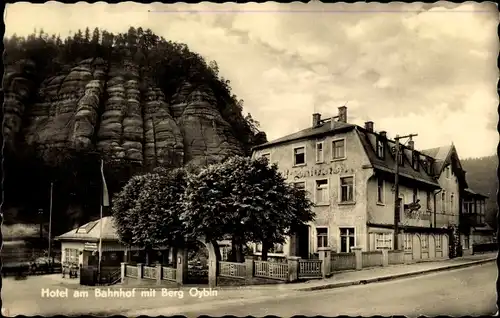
column 349, row 172
column 473, row 220
column 80, row 247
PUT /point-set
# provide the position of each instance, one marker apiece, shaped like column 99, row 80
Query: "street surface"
column 469, row 291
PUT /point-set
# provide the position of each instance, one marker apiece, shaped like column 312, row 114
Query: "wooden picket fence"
column 271, row 270
column 131, row 271
column 169, row 273
column 231, row 269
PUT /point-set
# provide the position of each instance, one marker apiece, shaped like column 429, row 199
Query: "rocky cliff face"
column 110, row 108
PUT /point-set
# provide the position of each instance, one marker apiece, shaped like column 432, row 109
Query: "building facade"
column 473, row 221
column 349, row 172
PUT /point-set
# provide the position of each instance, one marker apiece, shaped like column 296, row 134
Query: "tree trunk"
column 237, row 242
column 166, row 256
column 147, row 256
column 232, row 256
column 265, row 250
column 174, row 257
column 218, row 256
column 240, row 258
column 237, row 250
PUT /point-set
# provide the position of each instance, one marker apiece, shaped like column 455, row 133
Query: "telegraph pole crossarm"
column 397, row 200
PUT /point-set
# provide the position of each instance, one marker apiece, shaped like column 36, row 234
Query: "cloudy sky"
column 410, row 68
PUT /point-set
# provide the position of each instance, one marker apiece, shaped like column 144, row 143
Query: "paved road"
column 469, row 291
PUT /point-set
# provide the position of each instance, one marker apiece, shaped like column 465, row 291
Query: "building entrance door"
column 432, row 246
column 93, row 259
column 303, row 242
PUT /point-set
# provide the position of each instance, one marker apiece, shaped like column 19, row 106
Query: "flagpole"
column 50, row 223
column 100, row 220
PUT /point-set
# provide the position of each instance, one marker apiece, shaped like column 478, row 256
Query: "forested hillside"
column 482, row 178
column 134, row 99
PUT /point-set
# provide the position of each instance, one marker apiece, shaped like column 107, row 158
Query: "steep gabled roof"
column 388, row 163
column 432, row 152
column 323, row 129
column 441, row 156
column 91, row 231
column 445, row 155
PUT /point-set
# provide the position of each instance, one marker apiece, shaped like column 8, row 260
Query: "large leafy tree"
column 247, row 199
column 123, row 209
column 147, row 210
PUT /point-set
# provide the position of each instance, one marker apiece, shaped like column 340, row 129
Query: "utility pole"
column 40, row 220
column 397, row 200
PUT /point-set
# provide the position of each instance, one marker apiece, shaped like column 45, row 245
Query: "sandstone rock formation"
column 18, row 89
column 112, row 109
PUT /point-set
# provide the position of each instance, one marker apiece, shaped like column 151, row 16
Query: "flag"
column 105, row 194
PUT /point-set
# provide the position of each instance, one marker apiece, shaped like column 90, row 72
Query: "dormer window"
column 401, row 157
column 424, row 164
column 415, row 161
column 86, row 229
column 380, row 148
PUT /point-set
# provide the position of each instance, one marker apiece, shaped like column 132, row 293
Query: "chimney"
column 342, row 114
column 316, row 119
column 383, row 134
column 411, row 144
column 369, row 126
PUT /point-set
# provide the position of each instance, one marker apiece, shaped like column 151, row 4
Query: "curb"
column 396, row 276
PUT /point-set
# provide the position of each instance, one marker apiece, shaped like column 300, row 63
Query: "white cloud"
column 428, row 69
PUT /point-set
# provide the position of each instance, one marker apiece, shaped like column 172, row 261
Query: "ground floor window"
column 383, row 240
column 424, row 241
column 347, row 239
column 322, row 236
column 71, row 256
column 407, row 242
column 438, row 239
